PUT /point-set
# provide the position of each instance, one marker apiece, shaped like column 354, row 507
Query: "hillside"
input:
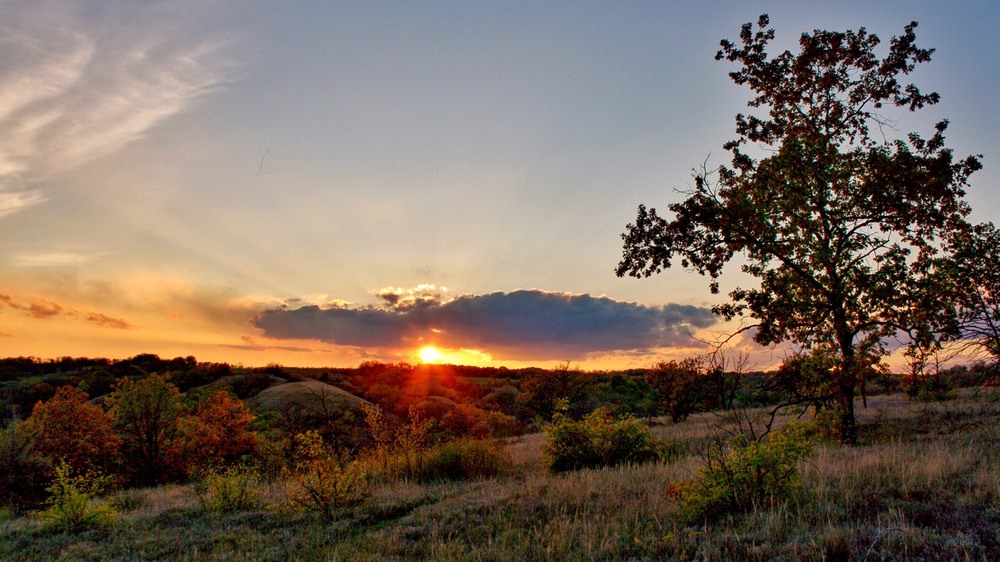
column 314, row 397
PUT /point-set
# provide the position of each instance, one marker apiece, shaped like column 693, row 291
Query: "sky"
column 326, row 183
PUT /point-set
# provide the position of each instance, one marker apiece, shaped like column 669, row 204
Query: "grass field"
column 924, row 484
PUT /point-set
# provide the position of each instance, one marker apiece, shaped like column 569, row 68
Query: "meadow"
column 922, row 484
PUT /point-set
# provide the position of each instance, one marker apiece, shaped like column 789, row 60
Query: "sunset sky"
column 323, row 183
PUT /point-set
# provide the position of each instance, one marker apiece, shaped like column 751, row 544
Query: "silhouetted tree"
column 836, row 223
column 680, row 386
column 542, row 389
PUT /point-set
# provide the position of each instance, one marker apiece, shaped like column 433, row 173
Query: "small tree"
column 323, row 481
column 145, row 414
column 679, row 386
column 838, row 225
column 69, row 503
column 724, row 379
column 543, row 389
column 69, row 428
column 217, row 433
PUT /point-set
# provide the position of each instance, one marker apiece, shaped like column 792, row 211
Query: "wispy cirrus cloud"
column 14, row 201
column 55, row 258
column 80, row 81
column 524, row 324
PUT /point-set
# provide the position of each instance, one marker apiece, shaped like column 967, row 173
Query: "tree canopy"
column 839, row 223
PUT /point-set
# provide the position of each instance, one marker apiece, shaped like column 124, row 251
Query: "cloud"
column 421, row 296
column 251, row 344
column 43, row 309
column 14, row 201
column 78, row 83
column 524, row 324
column 107, row 321
column 35, row 308
column 55, row 258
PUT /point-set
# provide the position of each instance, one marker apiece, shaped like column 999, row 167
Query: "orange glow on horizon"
column 430, row 354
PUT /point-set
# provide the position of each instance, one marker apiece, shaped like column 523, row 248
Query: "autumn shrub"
column 467, row 420
column 217, row 433
column 465, row 458
column 740, row 473
column 228, row 489
column 69, row 428
column 599, row 439
column 69, row 504
column 323, row 481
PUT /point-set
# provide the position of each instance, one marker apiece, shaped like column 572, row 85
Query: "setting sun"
column 430, row 354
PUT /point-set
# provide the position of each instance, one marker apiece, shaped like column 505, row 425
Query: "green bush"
column 462, row 459
column 740, row 474
column 69, row 505
column 599, row 439
column 229, row 489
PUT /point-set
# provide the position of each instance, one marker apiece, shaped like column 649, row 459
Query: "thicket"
column 599, row 439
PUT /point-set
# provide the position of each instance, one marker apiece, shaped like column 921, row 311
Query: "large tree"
column 835, row 221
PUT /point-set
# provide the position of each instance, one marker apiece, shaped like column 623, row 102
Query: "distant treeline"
column 526, row 394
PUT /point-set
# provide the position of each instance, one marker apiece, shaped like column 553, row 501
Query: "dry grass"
column 914, row 494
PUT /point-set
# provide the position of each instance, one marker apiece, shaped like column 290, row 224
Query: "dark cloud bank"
column 527, row 324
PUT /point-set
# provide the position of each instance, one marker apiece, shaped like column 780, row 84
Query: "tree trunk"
column 845, row 405
column 847, row 379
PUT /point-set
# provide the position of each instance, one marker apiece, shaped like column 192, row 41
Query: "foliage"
column 467, row 420
column 322, row 481
column 542, row 390
column 679, row 385
column 741, row 473
column 69, row 428
column 463, row 459
column 398, row 448
column 217, row 433
column 145, row 414
column 806, row 379
column 599, row 439
column 916, row 496
column 975, row 278
column 839, row 228
column 228, row 489
column 69, row 503
column 22, row 473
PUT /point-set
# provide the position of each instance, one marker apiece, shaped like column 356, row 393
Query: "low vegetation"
column 915, row 488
